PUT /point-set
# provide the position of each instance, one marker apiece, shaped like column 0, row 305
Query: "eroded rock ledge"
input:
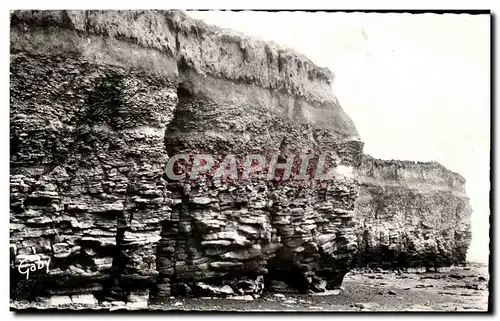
column 411, row 214
column 101, row 99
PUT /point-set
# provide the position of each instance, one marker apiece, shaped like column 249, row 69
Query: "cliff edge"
column 100, row 101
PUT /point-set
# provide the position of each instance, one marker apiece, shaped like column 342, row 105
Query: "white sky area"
column 417, row 86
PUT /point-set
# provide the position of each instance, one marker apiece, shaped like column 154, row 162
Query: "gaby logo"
column 26, row 266
column 278, row 167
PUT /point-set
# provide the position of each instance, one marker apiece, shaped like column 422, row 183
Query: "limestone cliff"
column 100, row 100
column 411, row 214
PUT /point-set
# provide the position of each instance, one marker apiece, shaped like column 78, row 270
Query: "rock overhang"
column 133, row 81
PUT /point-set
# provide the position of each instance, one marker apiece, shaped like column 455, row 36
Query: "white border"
column 192, row 4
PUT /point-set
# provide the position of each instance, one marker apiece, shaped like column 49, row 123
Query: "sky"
column 417, row 86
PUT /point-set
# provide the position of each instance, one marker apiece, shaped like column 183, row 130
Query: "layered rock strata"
column 411, row 214
column 99, row 102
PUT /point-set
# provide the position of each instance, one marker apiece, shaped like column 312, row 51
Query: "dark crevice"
column 114, row 288
column 168, row 246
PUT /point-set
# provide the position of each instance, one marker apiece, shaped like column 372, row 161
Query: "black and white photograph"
column 176, row 160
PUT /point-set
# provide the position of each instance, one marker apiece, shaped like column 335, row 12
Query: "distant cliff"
column 411, row 214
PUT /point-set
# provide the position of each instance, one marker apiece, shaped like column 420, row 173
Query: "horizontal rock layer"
column 99, row 102
column 411, row 214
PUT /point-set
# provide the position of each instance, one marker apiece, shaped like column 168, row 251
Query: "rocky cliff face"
column 411, row 214
column 99, row 103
